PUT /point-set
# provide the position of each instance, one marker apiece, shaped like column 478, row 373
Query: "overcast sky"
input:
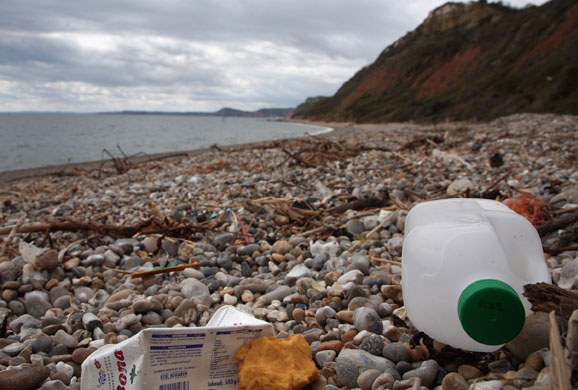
column 191, row 55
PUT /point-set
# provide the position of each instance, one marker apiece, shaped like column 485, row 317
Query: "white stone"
column 229, row 299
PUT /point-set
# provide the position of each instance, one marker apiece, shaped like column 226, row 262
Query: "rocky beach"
column 305, row 234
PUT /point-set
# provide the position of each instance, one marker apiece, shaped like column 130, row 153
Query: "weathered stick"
column 142, row 274
column 75, row 226
column 559, row 223
column 559, row 369
column 360, row 204
column 386, row 261
column 12, row 233
column 374, row 230
column 547, row 297
column 300, row 161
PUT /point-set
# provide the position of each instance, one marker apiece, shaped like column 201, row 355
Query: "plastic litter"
column 464, row 265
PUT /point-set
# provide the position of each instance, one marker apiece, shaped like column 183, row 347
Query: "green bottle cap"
column 491, row 312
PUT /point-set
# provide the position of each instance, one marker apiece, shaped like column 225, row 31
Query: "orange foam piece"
column 269, row 363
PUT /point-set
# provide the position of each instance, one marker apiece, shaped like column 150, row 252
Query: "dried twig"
column 296, row 158
column 12, row 233
column 165, row 270
column 559, row 369
column 558, row 223
column 75, row 226
column 374, row 230
column 386, row 261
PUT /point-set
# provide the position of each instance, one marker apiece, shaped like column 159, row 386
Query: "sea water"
column 38, row 140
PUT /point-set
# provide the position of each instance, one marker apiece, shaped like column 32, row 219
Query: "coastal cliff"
column 467, row 61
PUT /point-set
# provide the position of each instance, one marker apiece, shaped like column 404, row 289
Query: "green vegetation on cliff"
column 467, row 61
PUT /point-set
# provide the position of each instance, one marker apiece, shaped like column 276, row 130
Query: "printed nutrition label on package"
column 175, row 358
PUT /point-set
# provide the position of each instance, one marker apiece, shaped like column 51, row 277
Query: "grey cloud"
column 197, row 53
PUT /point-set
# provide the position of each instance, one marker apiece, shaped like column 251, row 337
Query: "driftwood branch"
column 558, row 223
column 559, row 368
column 76, row 226
column 547, row 297
column 300, row 161
column 165, row 270
column 360, row 204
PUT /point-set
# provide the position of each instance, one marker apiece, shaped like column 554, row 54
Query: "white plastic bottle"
column 464, row 265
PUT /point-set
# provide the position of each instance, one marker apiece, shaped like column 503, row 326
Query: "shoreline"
column 338, row 130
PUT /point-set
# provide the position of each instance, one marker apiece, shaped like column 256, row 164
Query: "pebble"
column 27, row 378
column 365, row 318
column 351, row 362
column 193, row 288
column 427, row 372
column 373, row 344
column 383, row 381
column 395, row 352
column 325, row 356
column 91, row 321
column 366, row 378
column 487, row 385
column 454, row 381
column 535, row 335
column 36, row 305
column 469, row 372
column 47, row 260
column 62, row 337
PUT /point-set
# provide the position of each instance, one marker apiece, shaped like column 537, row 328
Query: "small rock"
column 126, row 321
column 111, row 259
column 193, row 288
column 535, row 335
column 42, row 344
column 427, row 372
column 365, row 318
column 454, row 381
column 151, row 244
column 525, row 377
column 395, row 352
column 35, row 305
column 9, row 271
column 355, row 276
column 47, row 260
column 27, row 378
column 366, row 378
column 354, row 227
column 297, row 272
column 61, row 337
column 90, row 321
column 569, row 275
column 80, row 354
column 488, row 385
column 383, row 381
column 222, row 240
column 276, row 295
column 152, row 318
column 469, row 372
column 535, row 361
column 281, row 247
column 229, row 299
column 460, row 186
column 325, row 356
column 351, row 362
column 372, row 344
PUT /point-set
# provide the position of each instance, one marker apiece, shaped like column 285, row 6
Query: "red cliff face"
column 468, row 61
column 446, row 73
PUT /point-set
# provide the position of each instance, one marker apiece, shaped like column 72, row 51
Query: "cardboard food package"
column 200, row 358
